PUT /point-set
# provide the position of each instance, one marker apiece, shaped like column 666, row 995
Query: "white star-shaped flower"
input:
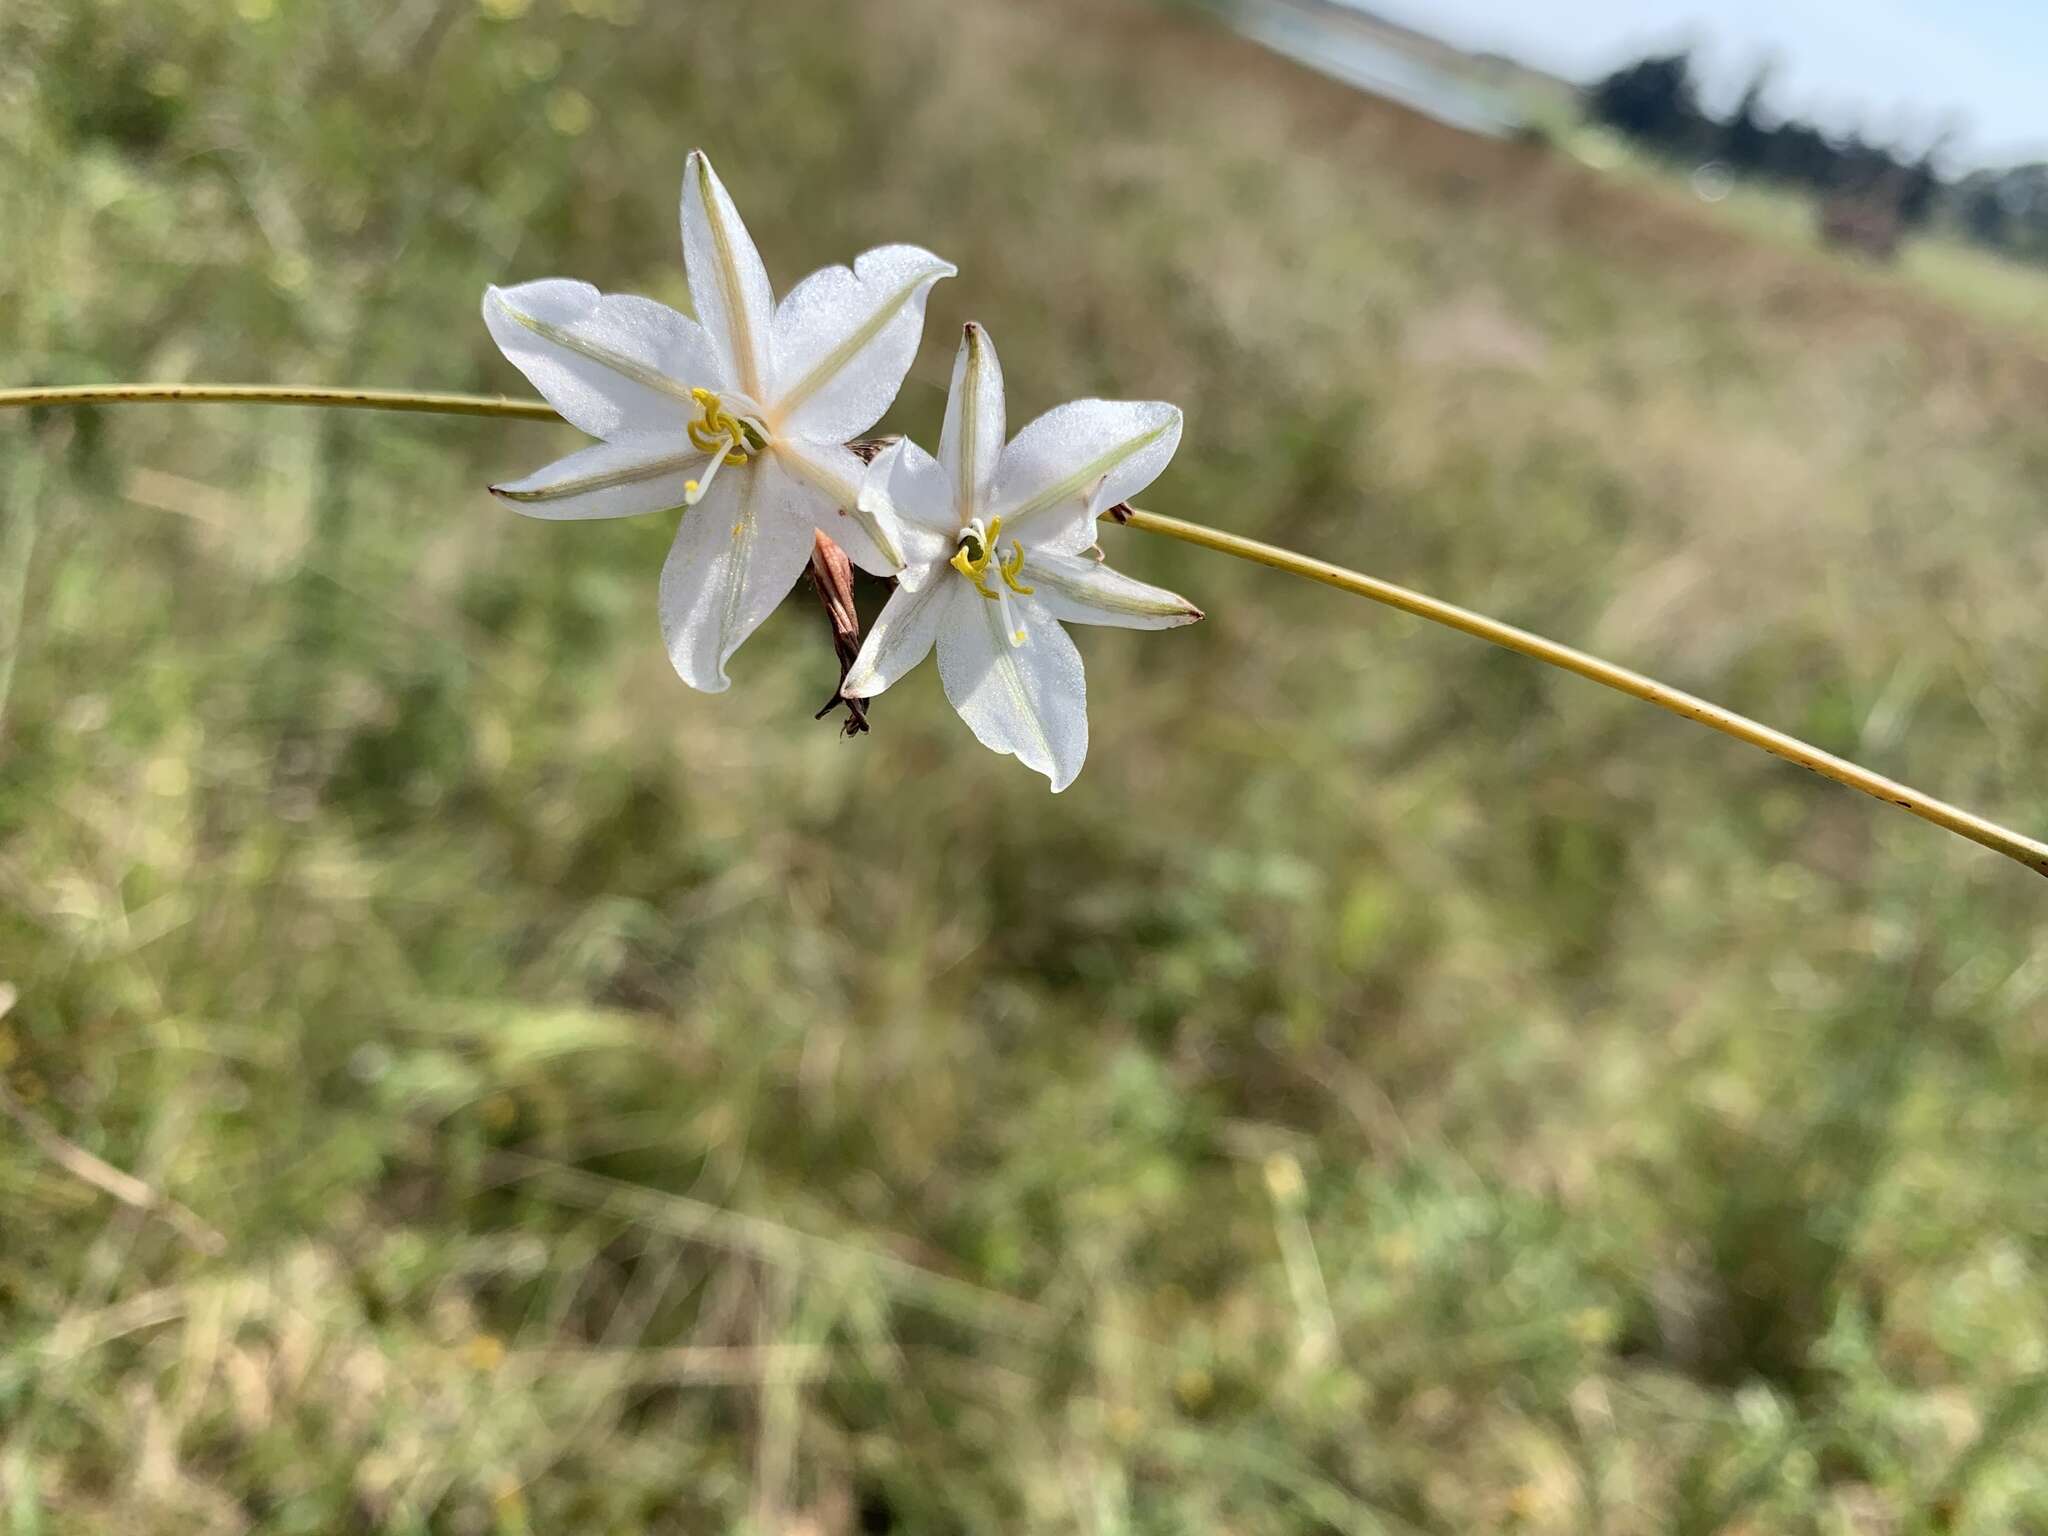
column 741, row 416
column 999, row 546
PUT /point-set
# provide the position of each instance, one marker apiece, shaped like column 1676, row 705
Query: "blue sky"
column 1896, row 68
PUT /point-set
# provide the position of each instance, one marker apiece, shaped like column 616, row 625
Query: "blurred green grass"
column 1397, row 1089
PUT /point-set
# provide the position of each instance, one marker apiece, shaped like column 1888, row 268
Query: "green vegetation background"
column 1397, row 1089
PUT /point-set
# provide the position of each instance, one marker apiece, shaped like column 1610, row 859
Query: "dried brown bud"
column 831, row 576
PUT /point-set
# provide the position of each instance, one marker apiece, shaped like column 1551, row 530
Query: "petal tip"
column 698, row 176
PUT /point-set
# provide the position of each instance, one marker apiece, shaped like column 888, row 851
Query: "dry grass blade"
column 99, row 1173
column 109, row 1180
column 774, row 1243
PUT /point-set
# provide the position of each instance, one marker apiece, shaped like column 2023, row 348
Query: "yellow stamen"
column 1011, row 567
column 978, row 551
column 973, row 570
column 717, row 426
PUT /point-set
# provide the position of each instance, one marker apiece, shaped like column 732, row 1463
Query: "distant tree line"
column 1656, row 101
column 2006, row 209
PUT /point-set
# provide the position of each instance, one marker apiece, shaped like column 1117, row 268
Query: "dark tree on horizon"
column 1657, row 101
column 1746, row 142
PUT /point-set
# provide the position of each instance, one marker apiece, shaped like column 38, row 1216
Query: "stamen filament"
column 1006, row 608
column 694, row 491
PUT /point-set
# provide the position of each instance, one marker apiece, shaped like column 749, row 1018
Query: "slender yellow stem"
column 2021, row 849
column 2024, row 849
column 277, row 394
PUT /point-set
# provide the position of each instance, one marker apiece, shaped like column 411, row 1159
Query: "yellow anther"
column 978, row 551
column 1010, row 569
column 716, row 427
column 973, row 570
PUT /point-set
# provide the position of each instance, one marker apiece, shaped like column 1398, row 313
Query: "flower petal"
column 609, row 362
column 728, row 285
column 736, row 555
column 1031, row 700
column 627, row 476
column 1078, row 590
column 971, row 441
column 844, row 339
column 902, row 636
column 871, row 536
column 1059, row 473
column 906, row 482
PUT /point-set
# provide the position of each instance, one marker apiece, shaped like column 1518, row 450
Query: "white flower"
column 741, row 416
column 999, row 547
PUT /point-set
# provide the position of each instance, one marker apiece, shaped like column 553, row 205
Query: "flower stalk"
column 1977, row 829
column 2016, row 846
column 279, row 394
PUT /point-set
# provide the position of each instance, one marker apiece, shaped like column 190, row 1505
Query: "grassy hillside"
column 1397, row 1089
column 1993, row 289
